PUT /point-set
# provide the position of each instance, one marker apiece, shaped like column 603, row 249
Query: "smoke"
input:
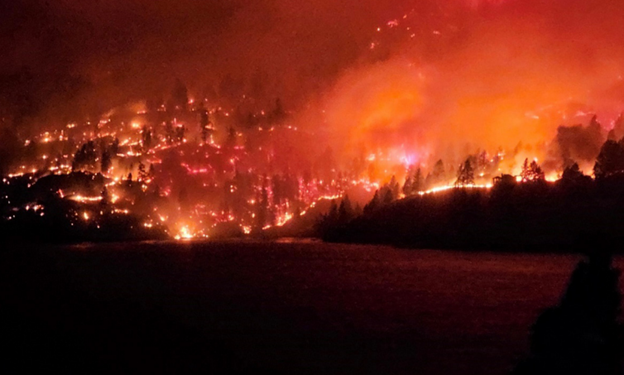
column 577, row 144
column 107, row 53
column 508, row 77
column 418, row 80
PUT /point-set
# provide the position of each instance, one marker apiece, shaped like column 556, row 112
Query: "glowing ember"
column 184, row 233
column 82, row 199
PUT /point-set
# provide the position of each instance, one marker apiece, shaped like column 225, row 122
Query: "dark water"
column 309, row 308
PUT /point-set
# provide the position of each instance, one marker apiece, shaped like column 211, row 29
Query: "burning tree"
column 531, row 172
column 610, row 160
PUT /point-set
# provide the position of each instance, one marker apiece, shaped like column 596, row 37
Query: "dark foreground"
column 275, row 308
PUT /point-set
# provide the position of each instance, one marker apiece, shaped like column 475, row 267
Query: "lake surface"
column 256, row 307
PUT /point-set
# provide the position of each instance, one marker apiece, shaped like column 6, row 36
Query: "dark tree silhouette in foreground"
column 374, row 203
column 582, row 334
column 610, row 161
column 572, row 173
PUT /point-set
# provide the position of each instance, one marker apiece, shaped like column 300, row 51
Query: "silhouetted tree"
column 374, row 203
column 332, row 214
column 142, row 172
column 407, row 185
column 105, row 198
column 105, row 162
column 388, row 196
column 572, row 175
column 413, row 182
column 85, row 157
column 438, row 172
column 465, row 174
column 572, row 172
column 230, row 142
column 146, row 137
column 610, row 161
column 345, row 211
column 418, row 183
column 358, row 211
column 394, row 188
column 204, row 124
column 618, row 129
column 115, row 146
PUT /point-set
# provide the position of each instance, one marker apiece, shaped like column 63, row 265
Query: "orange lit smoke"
column 508, row 83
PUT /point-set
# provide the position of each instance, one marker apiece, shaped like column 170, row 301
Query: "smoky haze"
column 421, row 78
column 107, row 53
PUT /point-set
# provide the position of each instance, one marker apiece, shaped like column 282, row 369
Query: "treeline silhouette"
column 519, row 212
column 530, row 215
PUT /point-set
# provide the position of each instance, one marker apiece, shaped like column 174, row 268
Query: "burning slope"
column 507, row 79
column 366, row 91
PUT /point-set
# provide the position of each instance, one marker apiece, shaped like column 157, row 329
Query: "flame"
column 450, row 187
column 83, row 199
column 184, row 233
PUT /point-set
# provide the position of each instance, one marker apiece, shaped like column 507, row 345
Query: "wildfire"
column 184, row 233
column 83, row 199
column 283, row 219
column 449, row 187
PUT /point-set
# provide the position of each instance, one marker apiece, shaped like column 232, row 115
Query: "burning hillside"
column 230, row 127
